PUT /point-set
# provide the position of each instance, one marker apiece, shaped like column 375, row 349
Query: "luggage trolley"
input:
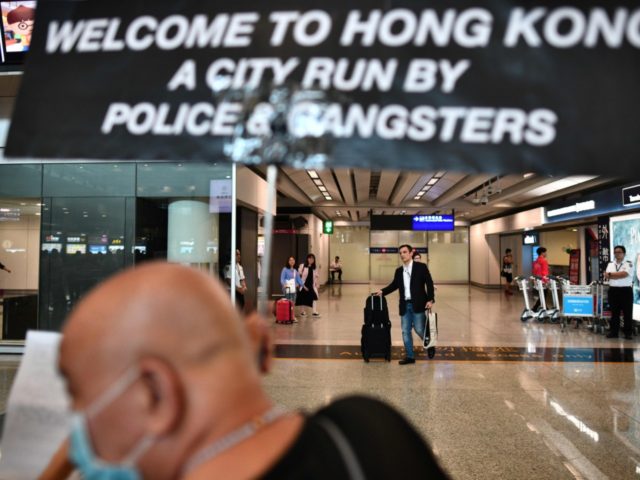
column 579, row 301
column 554, row 313
column 545, row 313
column 524, row 285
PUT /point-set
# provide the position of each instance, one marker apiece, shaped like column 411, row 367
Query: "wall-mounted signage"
column 530, row 238
column 604, row 202
column 377, row 250
column 328, row 227
column 433, row 223
column 575, row 208
column 631, row 196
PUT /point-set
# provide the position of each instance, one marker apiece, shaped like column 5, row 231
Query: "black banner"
column 499, row 86
column 631, row 196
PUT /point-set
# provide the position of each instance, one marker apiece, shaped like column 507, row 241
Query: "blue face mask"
column 81, row 452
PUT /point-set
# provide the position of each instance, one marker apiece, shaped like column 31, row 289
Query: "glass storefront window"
column 19, row 246
column 66, row 227
column 183, row 210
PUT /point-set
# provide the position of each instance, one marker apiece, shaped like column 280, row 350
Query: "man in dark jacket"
column 411, row 279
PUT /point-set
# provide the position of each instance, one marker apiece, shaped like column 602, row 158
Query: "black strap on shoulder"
column 349, row 457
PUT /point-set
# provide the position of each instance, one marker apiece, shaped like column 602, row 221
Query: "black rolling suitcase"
column 376, row 330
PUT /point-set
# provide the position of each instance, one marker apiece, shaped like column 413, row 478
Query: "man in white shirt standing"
column 241, row 284
column 620, row 276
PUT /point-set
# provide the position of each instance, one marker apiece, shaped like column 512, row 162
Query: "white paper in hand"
column 38, row 410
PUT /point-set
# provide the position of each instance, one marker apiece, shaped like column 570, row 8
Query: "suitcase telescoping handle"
column 372, row 296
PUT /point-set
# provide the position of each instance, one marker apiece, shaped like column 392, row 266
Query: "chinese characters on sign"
column 433, row 222
column 603, row 244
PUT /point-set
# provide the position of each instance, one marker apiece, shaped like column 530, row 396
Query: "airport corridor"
column 501, row 399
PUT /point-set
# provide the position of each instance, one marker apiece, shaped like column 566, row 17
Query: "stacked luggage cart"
column 528, row 285
column 586, row 304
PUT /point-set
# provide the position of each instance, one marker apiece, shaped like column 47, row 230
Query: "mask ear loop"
column 113, row 392
column 140, row 449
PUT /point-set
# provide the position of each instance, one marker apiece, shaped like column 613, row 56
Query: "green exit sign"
column 328, row 227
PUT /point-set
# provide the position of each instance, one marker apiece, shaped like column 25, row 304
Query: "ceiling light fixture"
column 313, row 174
column 528, row 175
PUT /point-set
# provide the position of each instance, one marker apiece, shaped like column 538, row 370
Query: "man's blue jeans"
column 412, row 320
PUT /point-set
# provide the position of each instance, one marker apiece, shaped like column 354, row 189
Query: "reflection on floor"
column 502, row 400
column 468, row 354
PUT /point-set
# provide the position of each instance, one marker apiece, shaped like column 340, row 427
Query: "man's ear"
column 261, row 341
column 165, row 395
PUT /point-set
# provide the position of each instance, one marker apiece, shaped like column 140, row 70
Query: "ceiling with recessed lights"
column 350, row 194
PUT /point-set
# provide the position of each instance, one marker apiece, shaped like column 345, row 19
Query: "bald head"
column 164, row 310
column 170, row 335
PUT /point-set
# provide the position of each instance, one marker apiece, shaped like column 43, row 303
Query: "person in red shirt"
column 541, row 269
column 541, row 265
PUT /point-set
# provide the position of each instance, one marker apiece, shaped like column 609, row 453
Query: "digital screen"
column 437, row 223
column 49, row 247
column 17, row 27
column 530, row 238
column 74, row 248
column 116, row 248
column 97, row 249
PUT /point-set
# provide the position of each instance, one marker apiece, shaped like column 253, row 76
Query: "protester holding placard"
column 145, row 409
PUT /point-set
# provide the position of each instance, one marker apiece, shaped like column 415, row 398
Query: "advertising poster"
column 17, row 21
column 603, row 245
column 574, row 266
column 625, row 231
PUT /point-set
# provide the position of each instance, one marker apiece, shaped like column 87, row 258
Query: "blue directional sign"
column 578, row 305
column 438, row 223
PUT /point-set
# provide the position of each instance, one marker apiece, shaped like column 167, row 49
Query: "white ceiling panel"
column 363, row 181
column 344, row 178
column 388, row 180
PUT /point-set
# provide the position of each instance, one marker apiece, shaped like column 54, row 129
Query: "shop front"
column 66, row 227
column 578, row 233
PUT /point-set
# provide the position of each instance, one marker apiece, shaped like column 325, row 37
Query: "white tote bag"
column 431, row 329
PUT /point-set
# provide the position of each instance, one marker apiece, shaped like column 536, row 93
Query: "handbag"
column 431, row 330
column 290, row 285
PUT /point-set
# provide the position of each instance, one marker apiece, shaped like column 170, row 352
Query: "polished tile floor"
column 534, row 413
column 484, row 419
